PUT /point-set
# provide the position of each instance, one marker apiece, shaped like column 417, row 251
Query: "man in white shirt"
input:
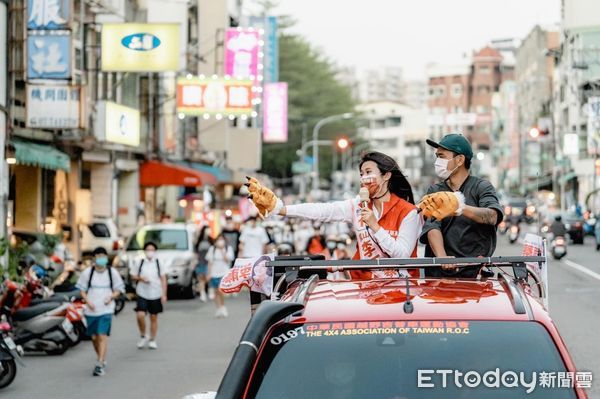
column 253, row 239
column 100, row 285
column 151, row 290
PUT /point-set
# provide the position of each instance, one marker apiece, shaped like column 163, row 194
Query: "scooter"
column 513, row 233
column 559, row 247
column 10, row 354
column 44, row 327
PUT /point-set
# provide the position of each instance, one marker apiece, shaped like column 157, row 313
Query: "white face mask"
column 441, row 168
column 150, row 254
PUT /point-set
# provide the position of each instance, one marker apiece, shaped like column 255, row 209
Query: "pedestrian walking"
column 253, row 240
column 151, row 290
column 219, row 258
column 202, row 246
column 100, row 285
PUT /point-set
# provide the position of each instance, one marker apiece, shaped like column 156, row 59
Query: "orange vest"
column 394, row 212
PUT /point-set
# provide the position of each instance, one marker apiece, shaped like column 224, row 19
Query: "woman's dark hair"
column 150, row 244
column 204, row 235
column 398, row 184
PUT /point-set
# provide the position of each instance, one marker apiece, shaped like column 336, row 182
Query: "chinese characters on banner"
column 48, row 14
column 48, row 56
column 223, row 97
column 49, row 49
column 275, row 128
column 271, row 47
column 242, row 48
column 53, row 106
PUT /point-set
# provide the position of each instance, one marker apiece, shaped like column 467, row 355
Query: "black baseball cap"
column 456, row 143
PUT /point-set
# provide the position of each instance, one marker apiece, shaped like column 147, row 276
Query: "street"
column 194, row 347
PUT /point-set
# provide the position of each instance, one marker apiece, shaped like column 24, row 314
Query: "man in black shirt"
column 473, row 233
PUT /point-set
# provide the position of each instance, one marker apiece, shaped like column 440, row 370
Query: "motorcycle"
column 559, row 247
column 10, row 355
column 513, row 233
column 43, row 327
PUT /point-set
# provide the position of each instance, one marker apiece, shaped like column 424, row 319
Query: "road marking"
column 582, row 269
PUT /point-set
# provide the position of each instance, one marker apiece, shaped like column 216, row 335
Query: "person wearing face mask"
column 219, row 258
column 386, row 226
column 471, row 231
column 151, row 290
column 100, row 285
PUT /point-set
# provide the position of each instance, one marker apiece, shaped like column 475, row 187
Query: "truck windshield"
column 408, row 360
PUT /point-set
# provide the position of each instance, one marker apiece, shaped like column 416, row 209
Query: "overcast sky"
column 412, row 33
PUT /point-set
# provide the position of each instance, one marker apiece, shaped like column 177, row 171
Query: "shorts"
column 152, row 306
column 201, row 270
column 98, row 325
column 215, row 282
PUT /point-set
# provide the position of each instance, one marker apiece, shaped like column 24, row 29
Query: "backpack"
column 142, row 264
column 110, row 277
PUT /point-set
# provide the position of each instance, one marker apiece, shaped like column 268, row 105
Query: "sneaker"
column 219, row 313
column 203, row 296
column 211, row 293
column 98, row 371
column 152, row 344
column 224, row 312
column 142, row 343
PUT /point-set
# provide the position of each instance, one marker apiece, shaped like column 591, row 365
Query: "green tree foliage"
column 314, row 93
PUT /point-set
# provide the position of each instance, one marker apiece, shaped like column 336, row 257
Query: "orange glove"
column 442, row 204
column 265, row 200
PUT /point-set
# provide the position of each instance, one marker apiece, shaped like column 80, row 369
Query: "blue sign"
column 48, row 56
column 141, row 42
column 271, row 48
column 48, row 14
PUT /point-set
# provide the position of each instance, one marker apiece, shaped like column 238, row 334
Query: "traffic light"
column 534, row 133
column 342, row 143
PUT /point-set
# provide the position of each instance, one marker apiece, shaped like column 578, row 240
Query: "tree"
column 314, row 93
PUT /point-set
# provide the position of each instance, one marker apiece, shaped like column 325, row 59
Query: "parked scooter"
column 559, row 247
column 10, row 355
column 42, row 327
column 513, row 233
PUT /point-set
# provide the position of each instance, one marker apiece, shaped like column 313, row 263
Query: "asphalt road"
column 194, row 347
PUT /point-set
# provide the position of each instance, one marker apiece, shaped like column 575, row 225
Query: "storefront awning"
column 155, row 173
column 42, row 155
column 222, row 175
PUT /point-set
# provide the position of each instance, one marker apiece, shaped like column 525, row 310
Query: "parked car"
column 395, row 337
column 175, row 253
column 100, row 233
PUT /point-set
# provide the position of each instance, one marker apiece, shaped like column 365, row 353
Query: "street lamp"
column 318, row 126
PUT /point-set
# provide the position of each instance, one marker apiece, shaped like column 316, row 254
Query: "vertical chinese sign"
column 49, row 45
column 49, row 48
column 242, row 48
column 275, row 106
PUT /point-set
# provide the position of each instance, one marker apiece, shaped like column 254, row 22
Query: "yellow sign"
column 122, row 124
column 140, row 47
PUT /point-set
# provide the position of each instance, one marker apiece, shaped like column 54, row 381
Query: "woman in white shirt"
column 219, row 258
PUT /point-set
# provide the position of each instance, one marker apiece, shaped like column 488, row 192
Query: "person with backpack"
column 100, row 285
column 151, row 290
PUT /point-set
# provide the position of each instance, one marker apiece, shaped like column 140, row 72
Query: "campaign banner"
column 275, row 109
column 242, row 48
column 249, row 272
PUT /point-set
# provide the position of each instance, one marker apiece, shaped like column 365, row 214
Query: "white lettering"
column 424, row 381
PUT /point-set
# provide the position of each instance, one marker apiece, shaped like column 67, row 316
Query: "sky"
column 412, row 33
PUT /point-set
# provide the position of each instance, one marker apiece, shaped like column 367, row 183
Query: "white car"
column 100, row 233
column 175, row 253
